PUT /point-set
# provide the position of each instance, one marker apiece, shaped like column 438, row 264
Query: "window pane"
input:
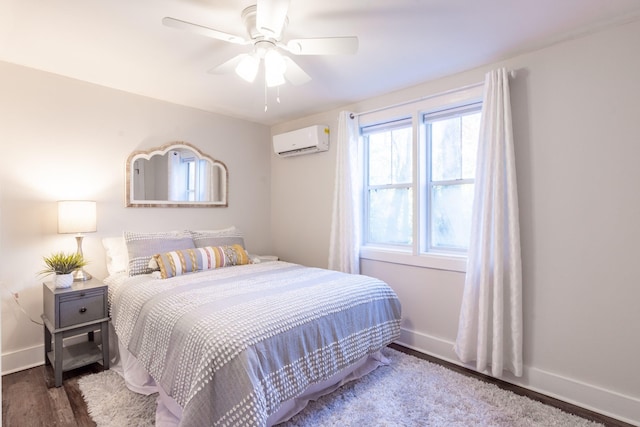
column 451, row 215
column 390, row 216
column 470, row 134
column 454, row 143
column 445, row 149
column 390, row 157
column 401, row 144
column 379, row 163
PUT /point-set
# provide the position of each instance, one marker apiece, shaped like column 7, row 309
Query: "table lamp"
column 77, row 216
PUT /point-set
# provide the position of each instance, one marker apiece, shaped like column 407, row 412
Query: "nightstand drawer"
column 81, row 309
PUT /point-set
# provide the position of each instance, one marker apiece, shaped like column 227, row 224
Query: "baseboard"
column 20, row 360
column 606, row 402
column 31, row 357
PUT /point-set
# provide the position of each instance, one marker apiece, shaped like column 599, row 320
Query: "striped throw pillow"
column 176, row 263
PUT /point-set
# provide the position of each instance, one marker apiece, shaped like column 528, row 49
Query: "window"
column 419, row 175
column 190, row 178
column 452, row 141
column 389, row 195
column 196, row 177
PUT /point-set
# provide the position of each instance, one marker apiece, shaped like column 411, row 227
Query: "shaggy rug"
column 408, row 392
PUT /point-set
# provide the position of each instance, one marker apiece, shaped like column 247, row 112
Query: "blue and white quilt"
column 230, row 345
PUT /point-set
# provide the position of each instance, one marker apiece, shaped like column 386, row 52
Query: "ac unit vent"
column 312, row 139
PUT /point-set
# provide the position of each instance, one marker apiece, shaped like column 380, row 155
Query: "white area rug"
column 408, row 392
column 110, row 403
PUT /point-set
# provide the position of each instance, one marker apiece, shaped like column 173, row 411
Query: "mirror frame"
column 129, row 166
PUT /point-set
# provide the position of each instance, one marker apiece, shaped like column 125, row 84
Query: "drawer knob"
column 83, row 310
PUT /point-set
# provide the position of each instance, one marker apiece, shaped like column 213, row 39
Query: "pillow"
column 225, row 237
column 142, row 246
column 117, row 257
column 176, row 263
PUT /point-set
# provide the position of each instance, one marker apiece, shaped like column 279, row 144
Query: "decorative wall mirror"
column 175, row 175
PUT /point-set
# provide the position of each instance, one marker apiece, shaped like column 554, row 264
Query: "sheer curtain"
column 344, row 245
column 490, row 325
column 206, row 182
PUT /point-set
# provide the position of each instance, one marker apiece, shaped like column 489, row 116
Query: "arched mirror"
column 176, row 175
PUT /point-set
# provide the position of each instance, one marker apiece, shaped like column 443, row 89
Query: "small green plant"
column 63, row 263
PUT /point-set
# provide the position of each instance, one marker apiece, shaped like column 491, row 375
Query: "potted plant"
column 63, row 265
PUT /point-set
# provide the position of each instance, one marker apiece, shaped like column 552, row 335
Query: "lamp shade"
column 76, row 216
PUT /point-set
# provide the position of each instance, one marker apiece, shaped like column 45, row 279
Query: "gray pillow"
column 225, row 237
column 143, row 246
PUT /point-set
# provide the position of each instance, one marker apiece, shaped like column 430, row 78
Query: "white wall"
column 577, row 131
column 66, row 139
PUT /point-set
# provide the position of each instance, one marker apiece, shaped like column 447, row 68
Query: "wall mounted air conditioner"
column 312, row 139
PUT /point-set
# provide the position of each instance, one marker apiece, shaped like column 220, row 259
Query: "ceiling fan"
column 265, row 23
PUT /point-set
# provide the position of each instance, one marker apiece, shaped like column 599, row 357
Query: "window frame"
column 401, row 123
column 429, row 182
column 415, row 254
column 190, row 172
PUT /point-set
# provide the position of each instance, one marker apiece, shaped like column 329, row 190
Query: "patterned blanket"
column 230, row 345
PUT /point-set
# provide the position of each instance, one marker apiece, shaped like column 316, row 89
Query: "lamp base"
column 81, row 276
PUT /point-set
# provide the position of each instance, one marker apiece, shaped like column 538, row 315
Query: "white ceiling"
column 123, row 45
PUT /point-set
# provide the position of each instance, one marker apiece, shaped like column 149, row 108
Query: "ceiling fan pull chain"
column 278, row 94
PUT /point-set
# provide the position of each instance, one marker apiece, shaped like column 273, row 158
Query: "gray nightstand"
column 265, row 258
column 68, row 312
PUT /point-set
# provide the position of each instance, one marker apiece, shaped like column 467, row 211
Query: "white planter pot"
column 63, row 280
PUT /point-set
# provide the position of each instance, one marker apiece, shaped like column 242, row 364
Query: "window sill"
column 449, row 262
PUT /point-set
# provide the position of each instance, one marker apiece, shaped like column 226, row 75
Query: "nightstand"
column 265, row 258
column 68, row 312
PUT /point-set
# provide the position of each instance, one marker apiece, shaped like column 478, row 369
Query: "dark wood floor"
column 30, row 400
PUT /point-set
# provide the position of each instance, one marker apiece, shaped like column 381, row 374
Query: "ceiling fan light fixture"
column 265, row 22
column 274, row 68
column 274, row 60
column 247, row 68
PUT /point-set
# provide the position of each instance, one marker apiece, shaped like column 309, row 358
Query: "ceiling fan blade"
column 271, row 16
column 205, row 31
column 229, row 66
column 323, row 46
column 294, row 74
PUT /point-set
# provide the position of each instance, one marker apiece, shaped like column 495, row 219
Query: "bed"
column 241, row 343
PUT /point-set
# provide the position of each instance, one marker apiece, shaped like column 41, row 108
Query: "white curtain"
column 344, row 245
column 490, row 325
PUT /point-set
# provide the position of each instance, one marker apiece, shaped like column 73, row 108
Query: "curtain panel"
column 344, row 245
column 490, row 323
